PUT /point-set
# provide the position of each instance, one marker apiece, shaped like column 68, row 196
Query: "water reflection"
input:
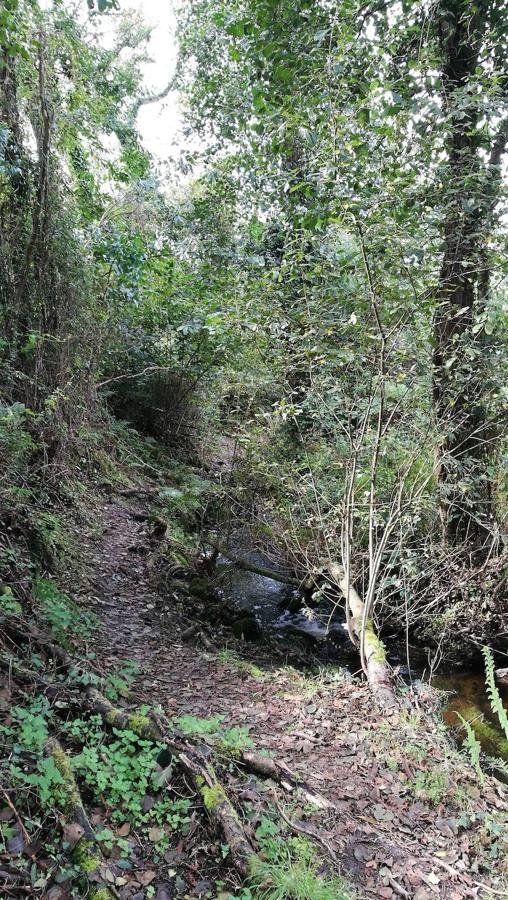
column 469, row 698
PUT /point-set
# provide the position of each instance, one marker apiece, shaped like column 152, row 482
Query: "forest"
column 253, row 452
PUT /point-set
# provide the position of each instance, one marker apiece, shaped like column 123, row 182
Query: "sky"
column 159, row 123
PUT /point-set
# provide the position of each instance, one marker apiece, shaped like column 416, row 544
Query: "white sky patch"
column 159, row 123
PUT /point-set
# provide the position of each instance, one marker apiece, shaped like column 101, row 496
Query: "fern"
column 499, row 765
column 474, row 748
column 493, row 694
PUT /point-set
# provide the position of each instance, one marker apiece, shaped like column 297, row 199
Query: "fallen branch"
column 277, row 771
column 19, row 820
column 86, row 853
column 306, row 830
column 193, row 760
column 136, row 492
column 13, row 667
column 248, row 566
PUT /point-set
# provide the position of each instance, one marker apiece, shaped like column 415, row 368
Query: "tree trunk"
column 466, row 498
column 372, row 650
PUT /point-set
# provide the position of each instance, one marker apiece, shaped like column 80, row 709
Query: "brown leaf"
column 145, row 878
column 124, row 830
column 72, row 833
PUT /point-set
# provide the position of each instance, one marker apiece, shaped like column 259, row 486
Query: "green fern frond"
column 492, row 691
column 474, row 748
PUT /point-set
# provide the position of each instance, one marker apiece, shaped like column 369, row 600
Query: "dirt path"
column 398, row 793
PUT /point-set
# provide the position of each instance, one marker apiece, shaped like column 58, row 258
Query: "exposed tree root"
column 191, row 756
column 11, row 665
column 86, row 854
column 277, row 771
column 193, row 760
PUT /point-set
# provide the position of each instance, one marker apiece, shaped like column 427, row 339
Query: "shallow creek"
column 323, row 631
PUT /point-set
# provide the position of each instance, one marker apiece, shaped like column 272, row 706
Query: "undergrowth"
column 291, row 871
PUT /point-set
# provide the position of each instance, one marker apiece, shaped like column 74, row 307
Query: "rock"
column 502, row 676
column 202, row 588
column 246, row 627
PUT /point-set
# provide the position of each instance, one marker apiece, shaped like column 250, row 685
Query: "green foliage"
column 64, row 617
column 473, row 747
column 122, row 772
column 28, row 766
column 119, row 682
column 430, row 784
column 230, row 740
column 492, row 691
column 9, row 606
column 233, row 658
column 290, row 873
column 190, row 502
column 31, row 722
column 51, row 535
column 47, row 780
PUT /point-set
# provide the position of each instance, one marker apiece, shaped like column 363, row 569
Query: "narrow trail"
column 383, row 827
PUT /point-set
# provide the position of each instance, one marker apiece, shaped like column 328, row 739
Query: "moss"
column 86, row 857
column 489, row 737
column 373, row 641
column 140, row 724
column 112, row 716
column 213, row 796
column 70, row 793
column 101, row 894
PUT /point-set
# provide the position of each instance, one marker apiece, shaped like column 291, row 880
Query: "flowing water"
column 323, row 631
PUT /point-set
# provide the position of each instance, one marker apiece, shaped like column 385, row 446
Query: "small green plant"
column 61, row 613
column 232, row 658
column 52, row 536
column 121, row 772
column 232, row 740
column 474, row 748
column 118, row 684
column 28, row 766
column 30, row 725
column 432, row 784
column 46, row 779
column 9, row 606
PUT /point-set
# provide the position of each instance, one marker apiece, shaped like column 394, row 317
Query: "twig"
column 24, row 832
column 301, row 829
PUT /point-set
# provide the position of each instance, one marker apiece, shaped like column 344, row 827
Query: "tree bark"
column 376, row 667
column 466, row 496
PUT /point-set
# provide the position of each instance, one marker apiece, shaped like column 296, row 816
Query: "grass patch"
column 232, row 658
column 291, row 873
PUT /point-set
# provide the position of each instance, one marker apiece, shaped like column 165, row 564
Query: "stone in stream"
column 502, row 676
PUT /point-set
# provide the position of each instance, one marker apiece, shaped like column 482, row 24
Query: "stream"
column 323, row 632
